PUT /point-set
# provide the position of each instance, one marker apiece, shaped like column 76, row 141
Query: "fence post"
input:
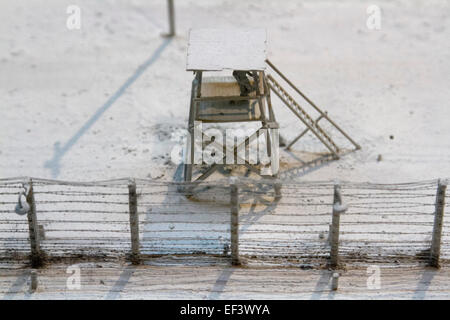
column 134, row 222
column 33, row 280
column 234, row 227
column 171, row 14
column 438, row 222
column 335, row 281
column 338, row 208
column 36, row 254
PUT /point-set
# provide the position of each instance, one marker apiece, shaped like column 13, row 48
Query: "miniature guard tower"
column 243, row 96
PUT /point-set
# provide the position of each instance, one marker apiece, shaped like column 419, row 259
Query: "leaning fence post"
column 438, row 222
column 338, row 208
column 234, row 227
column 134, row 222
column 171, row 14
column 36, row 255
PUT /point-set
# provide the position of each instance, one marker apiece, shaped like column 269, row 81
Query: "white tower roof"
column 221, row 49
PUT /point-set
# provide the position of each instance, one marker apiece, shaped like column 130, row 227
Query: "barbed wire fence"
column 312, row 224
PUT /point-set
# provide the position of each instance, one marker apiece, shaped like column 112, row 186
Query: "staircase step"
column 302, row 115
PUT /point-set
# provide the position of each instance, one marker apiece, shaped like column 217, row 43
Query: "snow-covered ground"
column 111, row 99
column 108, row 100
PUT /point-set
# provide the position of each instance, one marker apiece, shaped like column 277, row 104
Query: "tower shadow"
column 54, row 164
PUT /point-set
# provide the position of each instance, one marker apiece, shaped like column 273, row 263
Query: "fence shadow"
column 120, row 284
column 17, row 287
column 220, row 284
column 424, row 284
column 307, row 167
column 322, row 285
